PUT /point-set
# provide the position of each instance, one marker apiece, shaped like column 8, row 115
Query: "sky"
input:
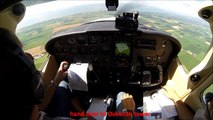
column 51, row 10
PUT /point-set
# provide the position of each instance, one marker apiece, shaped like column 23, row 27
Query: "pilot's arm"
column 50, row 90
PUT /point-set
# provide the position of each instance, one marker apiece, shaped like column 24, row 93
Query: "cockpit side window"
column 195, row 45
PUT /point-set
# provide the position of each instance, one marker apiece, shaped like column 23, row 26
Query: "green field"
column 40, row 62
column 192, row 33
column 189, row 60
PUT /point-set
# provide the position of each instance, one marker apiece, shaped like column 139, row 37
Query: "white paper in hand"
column 77, row 76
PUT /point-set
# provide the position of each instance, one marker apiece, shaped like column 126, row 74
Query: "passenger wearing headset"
column 20, row 84
column 18, row 74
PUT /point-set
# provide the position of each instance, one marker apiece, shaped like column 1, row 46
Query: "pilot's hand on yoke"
column 62, row 72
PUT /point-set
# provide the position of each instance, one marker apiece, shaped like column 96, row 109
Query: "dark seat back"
column 21, row 86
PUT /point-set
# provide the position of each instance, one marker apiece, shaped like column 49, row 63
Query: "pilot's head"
column 11, row 13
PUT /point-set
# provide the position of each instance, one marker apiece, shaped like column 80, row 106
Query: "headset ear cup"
column 38, row 86
column 18, row 9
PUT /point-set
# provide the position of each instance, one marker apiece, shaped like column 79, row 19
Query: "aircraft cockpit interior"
column 120, row 58
column 117, row 56
column 125, row 54
column 136, row 59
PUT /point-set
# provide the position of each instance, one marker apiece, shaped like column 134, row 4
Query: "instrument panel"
column 139, row 57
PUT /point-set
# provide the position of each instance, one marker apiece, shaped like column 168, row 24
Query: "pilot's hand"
column 62, row 72
column 128, row 102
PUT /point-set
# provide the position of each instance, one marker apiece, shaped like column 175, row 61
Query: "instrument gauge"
column 71, row 41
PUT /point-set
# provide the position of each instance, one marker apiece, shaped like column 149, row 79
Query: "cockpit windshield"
column 176, row 18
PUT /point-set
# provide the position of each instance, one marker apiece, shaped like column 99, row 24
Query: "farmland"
column 194, row 35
